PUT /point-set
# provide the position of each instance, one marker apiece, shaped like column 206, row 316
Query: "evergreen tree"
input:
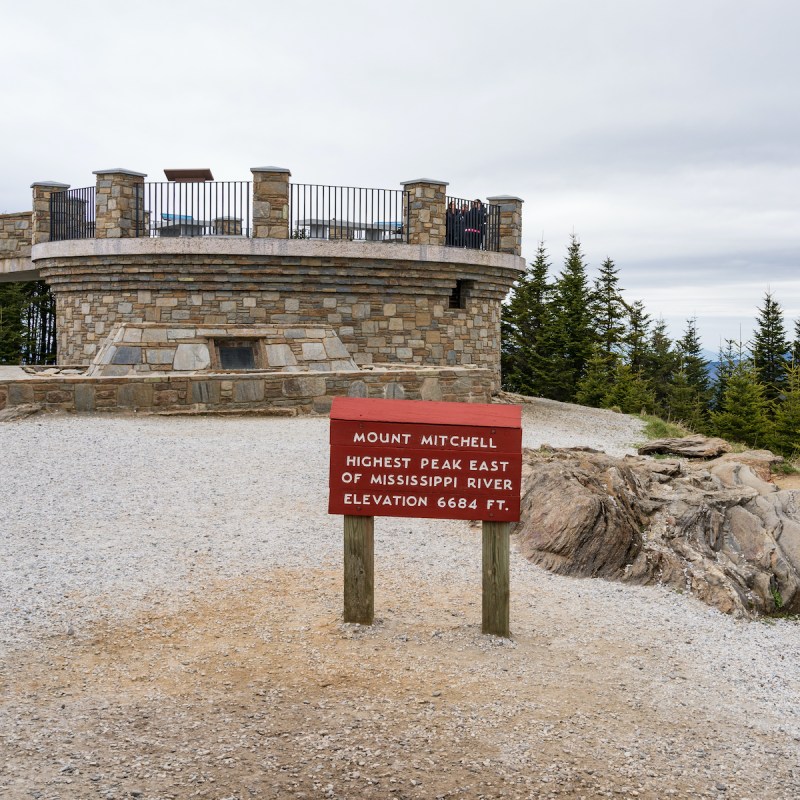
column 691, row 394
column 526, row 324
column 637, row 335
column 629, row 391
column 744, row 415
column 796, row 342
column 600, row 374
column 730, row 354
column 27, row 323
column 608, row 310
column 692, row 362
column 39, row 319
column 685, row 404
column 786, row 426
column 573, row 336
column 660, row 365
column 770, row 347
column 12, row 329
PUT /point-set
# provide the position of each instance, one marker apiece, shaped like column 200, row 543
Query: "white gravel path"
column 104, row 517
column 123, row 506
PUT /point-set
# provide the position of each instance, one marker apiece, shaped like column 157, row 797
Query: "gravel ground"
column 170, row 595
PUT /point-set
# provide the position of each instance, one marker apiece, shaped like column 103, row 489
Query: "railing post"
column 40, row 222
column 270, row 202
column 119, row 203
column 426, row 211
column 510, row 223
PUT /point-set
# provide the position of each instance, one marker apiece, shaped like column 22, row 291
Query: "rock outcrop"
column 695, row 446
column 717, row 529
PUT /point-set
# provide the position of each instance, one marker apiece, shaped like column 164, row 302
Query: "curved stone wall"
column 386, row 302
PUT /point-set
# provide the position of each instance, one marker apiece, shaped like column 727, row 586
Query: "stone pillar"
column 425, row 211
column 510, row 223
column 40, row 222
column 270, row 202
column 119, row 202
column 227, row 226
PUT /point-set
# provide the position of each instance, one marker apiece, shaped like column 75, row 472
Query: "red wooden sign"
column 411, row 458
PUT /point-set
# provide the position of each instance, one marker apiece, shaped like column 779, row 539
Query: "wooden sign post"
column 408, row 458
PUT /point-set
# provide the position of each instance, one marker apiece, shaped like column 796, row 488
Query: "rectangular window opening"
column 236, row 354
column 459, row 294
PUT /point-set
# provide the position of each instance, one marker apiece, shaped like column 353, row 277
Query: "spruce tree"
column 692, row 363
column 786, row 425
column 573, row 336
column 744, row 415
column 629, row 391
column 39, row 323
column 636, row 336
column 796, row 342
column 730, row 354
column 526, row 324
column 691, row 394
column 660, row 365
column 12, row 328
column 598, row 378
column 770, row 347
column 608, row 310
column 684, row 404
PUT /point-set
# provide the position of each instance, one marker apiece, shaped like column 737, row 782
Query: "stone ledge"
column 119, row 171
column 306, row 392
column 279, row 248
column 17, row 269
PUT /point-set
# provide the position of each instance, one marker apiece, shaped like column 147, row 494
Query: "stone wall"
column 299, row 392
column 15, row 235
column 382, row 310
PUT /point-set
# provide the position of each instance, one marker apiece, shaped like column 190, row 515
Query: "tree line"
column 27, row 324
column 569, row 339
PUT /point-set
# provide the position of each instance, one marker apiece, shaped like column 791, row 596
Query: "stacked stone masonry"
column 119, row 202
column 15, row 235
column 295, row 392
column 320, row 317
column 40, row 219
column 510, row 222
column 151, row 347
column 426, row 212
column 384, row 311
column 270, row 202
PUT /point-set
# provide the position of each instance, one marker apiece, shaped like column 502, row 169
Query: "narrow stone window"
column 458, row 296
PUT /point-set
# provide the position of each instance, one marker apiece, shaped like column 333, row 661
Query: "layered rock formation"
column 718, row 529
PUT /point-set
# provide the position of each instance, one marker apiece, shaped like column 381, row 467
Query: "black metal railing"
column 203, row 208
column 72, row 214
column 347, row 212
column 472, row 224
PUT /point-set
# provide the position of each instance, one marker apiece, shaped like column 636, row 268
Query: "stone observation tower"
column 195, row 292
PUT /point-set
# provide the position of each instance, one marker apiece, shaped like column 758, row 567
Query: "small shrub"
column 784, row 468
column 657, row 428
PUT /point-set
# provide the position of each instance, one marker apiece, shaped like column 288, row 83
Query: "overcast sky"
column 665, row 134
